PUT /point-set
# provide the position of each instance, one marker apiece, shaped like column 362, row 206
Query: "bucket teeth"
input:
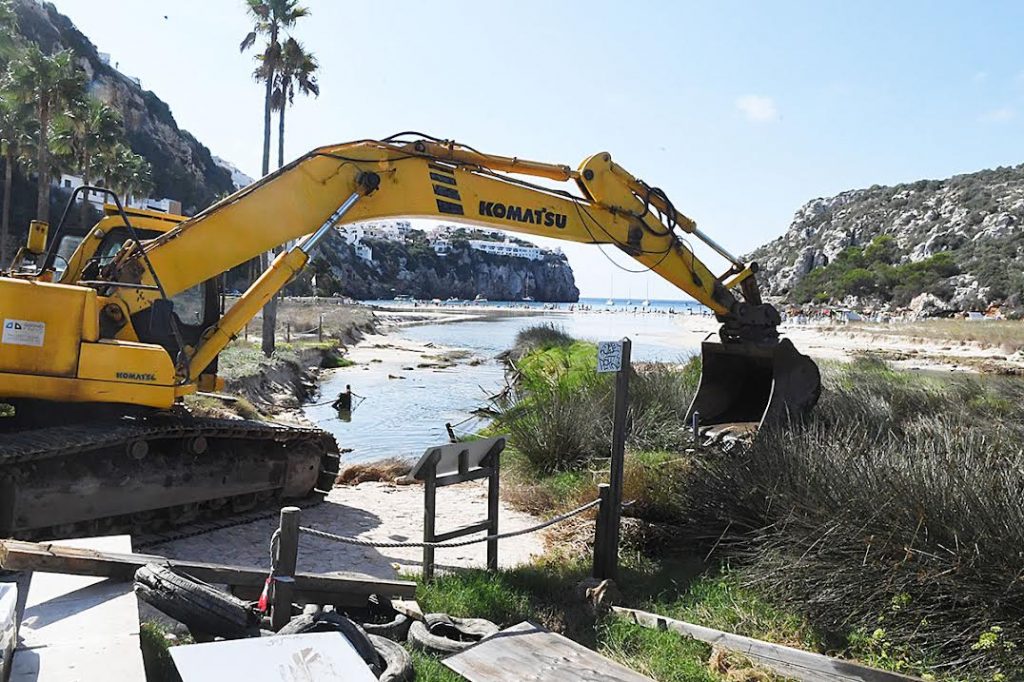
column 745, row 386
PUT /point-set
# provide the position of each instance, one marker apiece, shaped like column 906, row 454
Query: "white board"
column 609, row 356
column 316, row 657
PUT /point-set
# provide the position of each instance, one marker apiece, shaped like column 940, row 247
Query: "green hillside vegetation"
column 872, row 271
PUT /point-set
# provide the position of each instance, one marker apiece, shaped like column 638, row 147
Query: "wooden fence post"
column 288, row 332
column 429, row 511
column 492, row 510
column 284, row 574
column 618, row 459
column 601, row 534
column 320, row 329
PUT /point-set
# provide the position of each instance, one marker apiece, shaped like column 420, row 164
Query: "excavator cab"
column 745, row 386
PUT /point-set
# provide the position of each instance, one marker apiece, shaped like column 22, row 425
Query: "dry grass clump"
column 386, row 470
column 1007, row 335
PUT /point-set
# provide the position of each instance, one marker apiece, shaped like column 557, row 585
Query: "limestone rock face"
column 183, row 168
column 975, row 218
column 414, row 269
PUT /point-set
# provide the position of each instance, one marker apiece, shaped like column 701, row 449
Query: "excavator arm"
column 429, row 178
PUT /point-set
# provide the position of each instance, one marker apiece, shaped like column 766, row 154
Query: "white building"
column 72, row 182
column 162, row 205
column 507, row 248
column 441, row 246
column 97, row 199
column 365, row 252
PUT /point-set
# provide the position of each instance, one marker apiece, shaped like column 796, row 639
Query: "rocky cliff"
column 183, row 169
column 412, row 268
column 957, row 243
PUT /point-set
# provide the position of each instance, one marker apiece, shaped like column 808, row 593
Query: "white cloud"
column 758, row 108
column 999, row 115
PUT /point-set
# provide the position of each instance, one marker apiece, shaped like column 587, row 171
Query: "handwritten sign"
column 609, row 356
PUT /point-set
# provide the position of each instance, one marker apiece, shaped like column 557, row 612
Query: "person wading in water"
column 343, row 404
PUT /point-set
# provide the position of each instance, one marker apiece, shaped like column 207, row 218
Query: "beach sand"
column 382, row 512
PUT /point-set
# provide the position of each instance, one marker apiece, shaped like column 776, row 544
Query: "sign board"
column 315, row 657
column 24, row 333
column 449, row 456
column 609, row 356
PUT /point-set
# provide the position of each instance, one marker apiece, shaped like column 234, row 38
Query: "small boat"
column 609, row 302
column 527, row 299
column 479, row 299
column 403, row 297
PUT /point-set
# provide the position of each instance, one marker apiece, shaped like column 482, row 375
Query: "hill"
column 960, row 241
column 183, row 168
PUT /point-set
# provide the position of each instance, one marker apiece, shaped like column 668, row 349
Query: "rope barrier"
column 441, row 545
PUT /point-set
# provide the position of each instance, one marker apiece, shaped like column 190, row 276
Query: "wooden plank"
column 529, row 652
column 794, row 663
column 348, row 589
column 80, row 627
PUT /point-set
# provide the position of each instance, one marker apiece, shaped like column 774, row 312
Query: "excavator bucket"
column 745, row 386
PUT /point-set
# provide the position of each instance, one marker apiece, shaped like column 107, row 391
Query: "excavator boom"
column 123, row 323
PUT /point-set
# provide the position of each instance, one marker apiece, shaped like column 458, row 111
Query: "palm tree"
column 82, row 133
column 51, row 84
column 8, row 32
column 15, row 128
column 297, row 74
column 271, row 18
column 123, row 171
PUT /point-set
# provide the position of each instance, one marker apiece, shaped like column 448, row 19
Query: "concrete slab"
column 8, row 626
column 80, row 628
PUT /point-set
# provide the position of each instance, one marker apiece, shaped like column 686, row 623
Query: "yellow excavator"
column 104, row 335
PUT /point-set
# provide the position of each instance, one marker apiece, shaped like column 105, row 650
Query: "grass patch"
column 155, row 655
column 547, row 594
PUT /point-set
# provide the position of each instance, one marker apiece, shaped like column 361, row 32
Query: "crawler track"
column 147, row 475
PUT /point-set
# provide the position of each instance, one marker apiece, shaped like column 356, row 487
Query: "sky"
column 740, row 111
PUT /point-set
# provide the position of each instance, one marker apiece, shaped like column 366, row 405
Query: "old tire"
column 332, row 621
column 395, row 661
column 205, row 610
column 440, row 633
column 396, row 625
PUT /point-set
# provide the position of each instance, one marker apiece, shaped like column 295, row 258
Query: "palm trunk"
column 280, row 134
column 84, row 215
column 43, row 165
column 266, row 122
column 6, row 225
column 270, row 309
